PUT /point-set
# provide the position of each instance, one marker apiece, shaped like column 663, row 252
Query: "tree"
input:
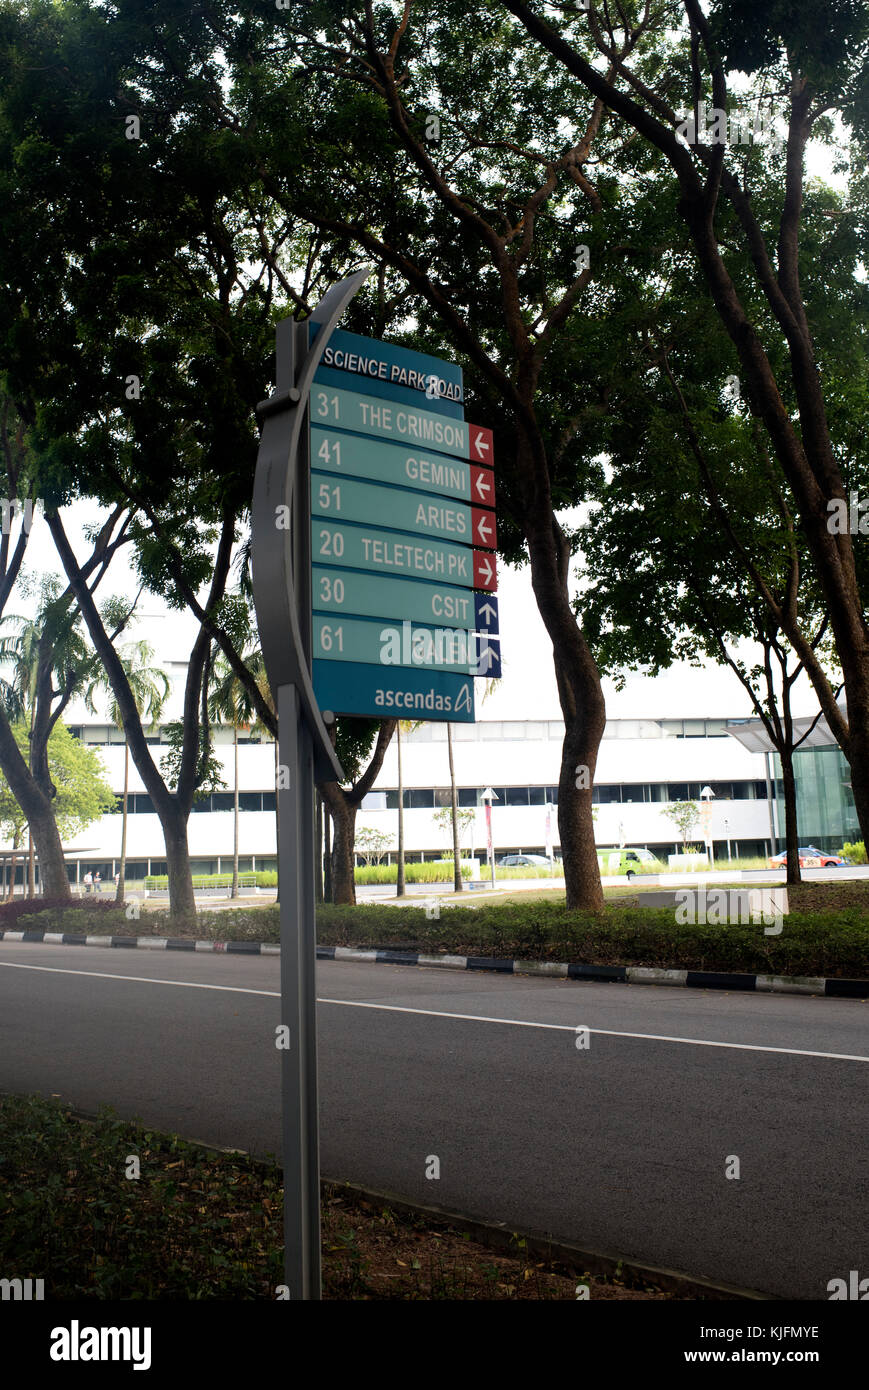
column 372, row 844
column 353, row 743
column 455, row 824
column 813, row 60
column 684, row 815
column 477, row 237
column 49, row 662
column 230, row 700
column 149, row 686
column 83, row 794
column 152, row 348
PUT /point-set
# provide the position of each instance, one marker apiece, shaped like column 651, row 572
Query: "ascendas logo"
column 76, row 1343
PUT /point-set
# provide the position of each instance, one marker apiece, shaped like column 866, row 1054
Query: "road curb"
column 571, row 1258
column 605, row 974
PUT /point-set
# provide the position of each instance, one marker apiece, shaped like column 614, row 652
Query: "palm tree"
column 230, row 701
column 149, row 686
column 46, row 649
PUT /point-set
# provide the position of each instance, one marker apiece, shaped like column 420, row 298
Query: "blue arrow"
column 486, row 610
column 488, row 657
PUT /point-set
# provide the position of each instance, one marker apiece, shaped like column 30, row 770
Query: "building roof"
column 753, row 736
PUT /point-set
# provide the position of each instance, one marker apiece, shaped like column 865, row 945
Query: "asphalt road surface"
column 622, row 1147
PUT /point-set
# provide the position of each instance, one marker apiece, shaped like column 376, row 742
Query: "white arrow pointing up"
column 484, row 530
column 486, row 658
column 489, row 612
column 480, row 443
column 482, row 486
column 486, row 568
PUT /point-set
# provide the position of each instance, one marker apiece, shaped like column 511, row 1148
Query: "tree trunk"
column 53, row 877
column 791, row 828
column 234, row 892
column 38, row 810
column 31, row 868
column 122, row 872
column 458, row 883
column 343, row 878
column 399, row 879
column 582, row 703
column 182, row 904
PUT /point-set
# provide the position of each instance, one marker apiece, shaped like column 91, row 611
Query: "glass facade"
column 825, row 804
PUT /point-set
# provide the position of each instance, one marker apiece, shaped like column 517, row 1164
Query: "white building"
column 643, row 764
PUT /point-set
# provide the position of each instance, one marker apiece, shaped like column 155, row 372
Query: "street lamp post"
column 727, row 834
column 488, row 797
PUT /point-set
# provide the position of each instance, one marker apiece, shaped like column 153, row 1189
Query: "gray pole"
column 282, row 597
column 300, row 1138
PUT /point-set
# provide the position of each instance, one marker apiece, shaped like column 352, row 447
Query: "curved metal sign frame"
column 276, row 588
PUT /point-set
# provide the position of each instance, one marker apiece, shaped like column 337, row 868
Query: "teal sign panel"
column 347, row 499
column 403, row 643
column 348, row 410
column 391, row 372
column 390, row 552
column 374, row 596
column 356, row 456
column 391, row 692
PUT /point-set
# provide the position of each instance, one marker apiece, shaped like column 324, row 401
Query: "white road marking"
column 437, row 1013
column 139, row 979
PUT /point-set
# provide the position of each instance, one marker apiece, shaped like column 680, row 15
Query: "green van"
column 628, row 860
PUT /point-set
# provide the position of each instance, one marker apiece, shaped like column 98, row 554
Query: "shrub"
column 11, row 913
column 856, row 852
column 427, row 872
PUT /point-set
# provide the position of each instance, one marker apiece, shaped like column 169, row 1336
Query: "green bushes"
column 834, row 944
column 263, row 878
column 856, row 852
column 426, row 872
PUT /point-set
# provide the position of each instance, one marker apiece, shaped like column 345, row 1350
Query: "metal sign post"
column 282, row 598
column 403, row 511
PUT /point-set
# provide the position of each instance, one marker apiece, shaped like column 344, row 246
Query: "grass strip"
column 196, row 1224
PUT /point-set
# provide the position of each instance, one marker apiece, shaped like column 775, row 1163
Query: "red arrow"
column 481, row 444
column 482, row 486
column 485, row 573
column 483, row 528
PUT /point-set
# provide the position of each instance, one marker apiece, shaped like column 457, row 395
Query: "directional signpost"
column 373, row 539
column 402, row 534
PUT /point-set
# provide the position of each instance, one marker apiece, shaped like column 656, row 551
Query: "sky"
column 527, row 689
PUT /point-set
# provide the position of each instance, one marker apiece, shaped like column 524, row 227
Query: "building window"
column 419, row 797
column 606, row 794
column 515, row 796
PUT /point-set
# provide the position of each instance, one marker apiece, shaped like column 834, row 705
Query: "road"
column 622, row 1147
